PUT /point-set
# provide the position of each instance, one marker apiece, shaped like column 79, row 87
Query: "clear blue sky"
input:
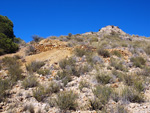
column 60, row 17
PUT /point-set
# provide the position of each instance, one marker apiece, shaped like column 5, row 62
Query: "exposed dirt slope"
column 52, row 56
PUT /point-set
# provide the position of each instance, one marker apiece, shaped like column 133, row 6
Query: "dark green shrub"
column 43, row 72
column 7, row 43
column 66, row 100
column 96, row 104
column 138, row 61
column 132, row 95
column 103, row 78
column 34, row 66
column 103, row 93
column 103, row 52
column 30, row 81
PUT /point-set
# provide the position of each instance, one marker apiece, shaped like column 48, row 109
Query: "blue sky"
column 60, row 17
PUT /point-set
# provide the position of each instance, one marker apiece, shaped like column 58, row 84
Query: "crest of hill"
column 107, row 30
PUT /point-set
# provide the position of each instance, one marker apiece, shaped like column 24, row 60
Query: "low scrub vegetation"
column 30, row 50
column 53, row 87
column 130, row 94
column 29, row 82
column 66, row 62
column 117, row 53
column 64, row 76
column 29, row 108
column 4, row 86
column 138, row 61
column 44, row 72
column 103, row 93
column 103, row 52
column 67, row 100
column 39, row 93
column 117, row 65
column 96, row 104
column 80, row 52
column 103, row 77
column 83, row 84
column 34, row 66
column 15, row 72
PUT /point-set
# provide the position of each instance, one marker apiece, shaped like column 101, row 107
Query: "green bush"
column 103, row 93
column 103, row 52
column 103, row 78
column 30, row 81
column 44, row 72
column 7, row 37
column 34, row 66
column 0, row 67
column 132, row 95
column 138, row 61
column 66, row 100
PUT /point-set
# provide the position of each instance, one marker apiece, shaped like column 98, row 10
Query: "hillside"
column 95, row 72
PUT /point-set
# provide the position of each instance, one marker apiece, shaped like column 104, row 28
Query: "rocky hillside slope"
column 96, row 72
